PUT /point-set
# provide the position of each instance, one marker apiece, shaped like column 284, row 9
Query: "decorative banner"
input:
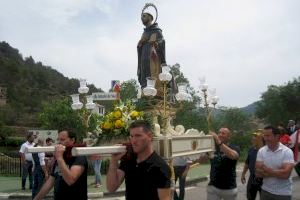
column 105, row 96
column 113, row 83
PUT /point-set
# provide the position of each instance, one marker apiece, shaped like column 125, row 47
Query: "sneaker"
column 98, row 185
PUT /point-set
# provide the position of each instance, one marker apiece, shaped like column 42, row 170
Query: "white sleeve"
column 42, row 158
column 22, row 149
column 259, row 155
column 288, row 156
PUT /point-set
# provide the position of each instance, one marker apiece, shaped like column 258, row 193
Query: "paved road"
column 198, row 191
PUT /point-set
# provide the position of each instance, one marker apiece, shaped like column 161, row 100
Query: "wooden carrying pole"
column 81, row 151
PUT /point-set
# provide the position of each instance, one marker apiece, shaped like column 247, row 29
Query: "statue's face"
column 146, row 19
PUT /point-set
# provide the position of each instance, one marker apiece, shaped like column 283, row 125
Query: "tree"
column 234, row 119
column 59, row 115
column 128, row 90
column 280, row 103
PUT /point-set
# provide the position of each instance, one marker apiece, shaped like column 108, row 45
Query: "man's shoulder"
column 79, row 160
column 263, row 149
column 285, row 148
column 23, row 146
column 234, row 147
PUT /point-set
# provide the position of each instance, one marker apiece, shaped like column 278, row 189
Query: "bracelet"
column 220, row 144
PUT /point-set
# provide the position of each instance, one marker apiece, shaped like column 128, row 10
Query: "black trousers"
column 178, row 170
column 253, row 186
column 27, row 170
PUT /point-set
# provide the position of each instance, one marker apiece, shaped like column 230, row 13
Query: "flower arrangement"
column 116, row 123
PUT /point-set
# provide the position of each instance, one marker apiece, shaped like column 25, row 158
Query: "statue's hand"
column 154, row 44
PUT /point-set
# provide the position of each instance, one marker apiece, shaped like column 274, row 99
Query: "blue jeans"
column 97, row 166
column 38, row 180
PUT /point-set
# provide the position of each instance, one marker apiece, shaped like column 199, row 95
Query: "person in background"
column 96, row 162
column 254, row 183
column 26, row 160
column 40, row 172
column 147, row 176
column 284, row 138
column 291, row 127
column 274, row 163
column 295, row 139
column 49, row 157
column 181, row 168
column 173, row 185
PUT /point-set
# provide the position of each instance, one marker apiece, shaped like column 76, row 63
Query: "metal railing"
column 10, row 164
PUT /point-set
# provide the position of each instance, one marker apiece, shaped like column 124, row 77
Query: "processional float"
column 168, row 142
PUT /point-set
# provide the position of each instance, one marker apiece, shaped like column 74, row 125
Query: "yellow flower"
column 117, row 114
column 107, row 125
column 119, row 123
column 134, row 114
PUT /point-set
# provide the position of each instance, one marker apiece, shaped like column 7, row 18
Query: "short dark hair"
column 29, row 135
column 141, row 123
column 275, row 130
column 48, row 140
column 71, row 133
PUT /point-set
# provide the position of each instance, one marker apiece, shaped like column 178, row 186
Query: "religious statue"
column 151, row 50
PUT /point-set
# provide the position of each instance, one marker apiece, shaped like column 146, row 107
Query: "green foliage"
column 59, row 114
column 280, row 103
column 234, row 119
column 243, row 141
column 29, row 84
column 190, row 117
column 12, row 141
column 4, row 132
column 128, row 90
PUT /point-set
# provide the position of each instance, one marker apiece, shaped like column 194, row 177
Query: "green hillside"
column 29, row 84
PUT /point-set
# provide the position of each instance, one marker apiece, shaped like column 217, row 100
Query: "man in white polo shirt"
column 274, row 163
column 26, row 160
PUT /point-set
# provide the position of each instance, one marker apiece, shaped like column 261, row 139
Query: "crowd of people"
column 270, row 161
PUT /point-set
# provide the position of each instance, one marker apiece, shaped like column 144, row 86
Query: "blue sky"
column 240, row 46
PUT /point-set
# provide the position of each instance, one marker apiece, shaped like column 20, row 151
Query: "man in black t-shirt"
column 222, row 183
column 147, row 176
column 254, row 183
column 69, row 174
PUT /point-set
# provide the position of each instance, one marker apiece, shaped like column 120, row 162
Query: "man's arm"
column 164, row 193
column 230, row 153
column 22, row 153
column 243, row 179
column 45, row 188
column 71, row 175
column 43, row 164
column 284, row 172
column 114, row 176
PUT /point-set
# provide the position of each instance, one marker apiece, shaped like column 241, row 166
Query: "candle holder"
column 85, row 106
column 164, row 107
column 211, row 99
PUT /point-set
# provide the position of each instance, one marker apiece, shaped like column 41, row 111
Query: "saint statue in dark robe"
column 151, row 53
